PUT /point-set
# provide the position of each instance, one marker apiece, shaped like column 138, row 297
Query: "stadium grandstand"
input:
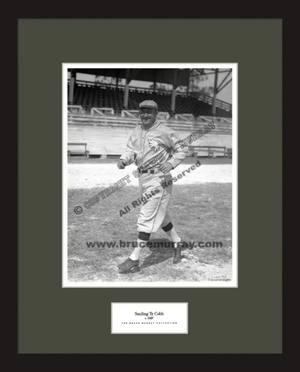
column 101, row 116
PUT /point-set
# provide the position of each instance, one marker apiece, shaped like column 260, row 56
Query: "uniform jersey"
column 150, row 148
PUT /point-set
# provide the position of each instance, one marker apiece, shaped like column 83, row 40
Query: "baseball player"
column 156, row 150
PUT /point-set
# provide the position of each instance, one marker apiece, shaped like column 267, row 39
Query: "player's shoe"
column 177, row 252
column 129, row 266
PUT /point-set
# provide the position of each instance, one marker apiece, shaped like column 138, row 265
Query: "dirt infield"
column 87, row 176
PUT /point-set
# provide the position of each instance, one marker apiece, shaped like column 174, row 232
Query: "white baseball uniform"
column 149, row 149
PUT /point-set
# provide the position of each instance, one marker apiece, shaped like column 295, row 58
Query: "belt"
column 149, row 171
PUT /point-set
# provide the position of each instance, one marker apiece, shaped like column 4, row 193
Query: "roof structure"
column 176, row 77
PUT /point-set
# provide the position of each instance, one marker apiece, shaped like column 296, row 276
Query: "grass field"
column 200, row 213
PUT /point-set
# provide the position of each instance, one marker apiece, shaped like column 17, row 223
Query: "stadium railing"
column 224, row 126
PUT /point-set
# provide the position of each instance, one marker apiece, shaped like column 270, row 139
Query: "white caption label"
column 149, row 317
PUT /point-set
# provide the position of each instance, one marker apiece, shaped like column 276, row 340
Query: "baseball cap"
column 148, row 104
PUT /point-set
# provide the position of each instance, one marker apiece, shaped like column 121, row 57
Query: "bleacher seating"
column 98, row 131
column 88, row 96
column 97, row 127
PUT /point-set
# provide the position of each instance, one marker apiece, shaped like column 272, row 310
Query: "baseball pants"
column 154, row 213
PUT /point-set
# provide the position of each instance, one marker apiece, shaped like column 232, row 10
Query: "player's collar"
column 155, row 125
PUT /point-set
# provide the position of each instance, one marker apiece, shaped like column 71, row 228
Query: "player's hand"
column 166, row 167
column 121, row 164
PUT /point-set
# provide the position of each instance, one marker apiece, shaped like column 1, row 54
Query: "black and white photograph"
column 149, row 175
